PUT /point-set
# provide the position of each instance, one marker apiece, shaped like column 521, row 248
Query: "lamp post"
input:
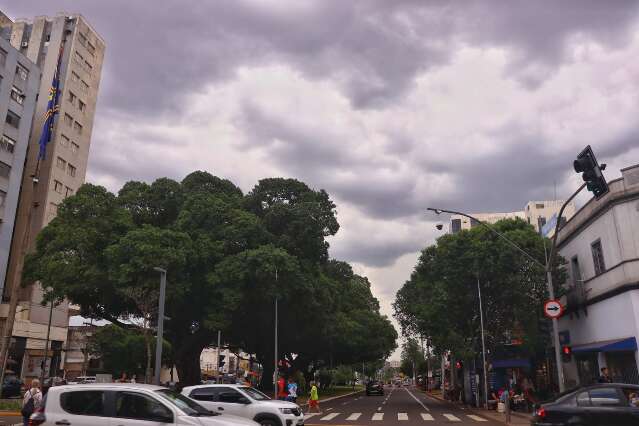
column 158, row 344
column 275, row 347
column 483, row 344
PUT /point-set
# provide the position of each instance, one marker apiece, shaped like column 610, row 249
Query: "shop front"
column 618, row 355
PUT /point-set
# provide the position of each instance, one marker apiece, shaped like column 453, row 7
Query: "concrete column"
column 601, row 359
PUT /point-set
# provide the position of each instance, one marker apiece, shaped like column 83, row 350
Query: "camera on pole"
column 591, row 172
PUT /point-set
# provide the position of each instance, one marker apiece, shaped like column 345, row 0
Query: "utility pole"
column 275, row 347
column 483, row 344
column 160, row 341
column 46, row 347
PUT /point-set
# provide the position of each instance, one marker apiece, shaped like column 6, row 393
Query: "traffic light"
column 586, row 164
column 459, row 365
column 566, row 353
column 220, row 361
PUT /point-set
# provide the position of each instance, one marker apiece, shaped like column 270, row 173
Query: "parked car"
column 119, row 404
column 374, row 387
column 604, row 404
column 246, row 402
column 11, row 387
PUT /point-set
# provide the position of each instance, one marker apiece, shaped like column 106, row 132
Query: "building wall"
column 535, row 210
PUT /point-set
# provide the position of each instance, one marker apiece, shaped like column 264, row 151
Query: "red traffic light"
column 459, row 365
column 566, row 350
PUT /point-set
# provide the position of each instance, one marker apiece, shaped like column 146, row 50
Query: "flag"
column 53, row 107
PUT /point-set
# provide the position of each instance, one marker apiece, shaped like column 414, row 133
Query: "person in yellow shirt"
column 313, row 401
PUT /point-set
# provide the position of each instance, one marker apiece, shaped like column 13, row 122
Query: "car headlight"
column 286, row 411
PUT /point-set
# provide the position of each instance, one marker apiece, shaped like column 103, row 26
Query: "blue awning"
column 511, row 363
column 617, row 345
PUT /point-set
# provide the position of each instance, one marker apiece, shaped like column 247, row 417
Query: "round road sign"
column 553, row 309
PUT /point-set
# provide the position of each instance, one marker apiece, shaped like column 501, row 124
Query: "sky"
column 390, row 106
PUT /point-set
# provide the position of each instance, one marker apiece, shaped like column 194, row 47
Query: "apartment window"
column 53, row 209
column 75, row 77
column 75, row 147
column 61, row 163
column 13, row 119
column 64, row 141
column 77, row 127
column 3, row 57
column 3, row 197
column 68, row 120
column 89, row 67
column 71, row 97
column 90, row 48
column 541, row 221
column 71, row 170
column 22, row 72
column 598, row 257
column 17, row 95
column 79, row 57
column 82, row 106
column 539, row 206
column 575, row 271
column 68, row 192
column 7, row 144
column 455, row 225
column 82, row 39
column 58, row 187
column 84, row 85
column 5, row 169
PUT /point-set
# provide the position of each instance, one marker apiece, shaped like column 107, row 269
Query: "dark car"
column 606, row 404
column 12, row 387
column 374, row 387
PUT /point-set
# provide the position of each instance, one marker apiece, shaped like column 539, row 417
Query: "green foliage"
column 228, row 257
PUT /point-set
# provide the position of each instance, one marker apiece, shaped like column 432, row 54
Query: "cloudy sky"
column 390, row 105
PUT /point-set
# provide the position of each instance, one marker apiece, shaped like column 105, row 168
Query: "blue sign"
column 549, row 226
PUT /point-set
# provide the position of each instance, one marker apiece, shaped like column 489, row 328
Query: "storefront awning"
column 617, row 345
column 511, row 363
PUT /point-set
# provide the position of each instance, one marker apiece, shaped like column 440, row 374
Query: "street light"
column 158, row 344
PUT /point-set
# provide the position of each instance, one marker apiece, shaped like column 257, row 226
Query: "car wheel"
column 267, row 422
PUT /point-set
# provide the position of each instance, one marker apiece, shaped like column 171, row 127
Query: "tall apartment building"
column 59, row 175
column 19, row 84
column 537, row 213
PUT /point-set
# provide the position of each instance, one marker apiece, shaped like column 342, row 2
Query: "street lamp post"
column 158, row 344
column 275, row 346
column 483, row 345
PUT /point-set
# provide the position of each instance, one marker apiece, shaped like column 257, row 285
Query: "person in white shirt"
column 34, row 395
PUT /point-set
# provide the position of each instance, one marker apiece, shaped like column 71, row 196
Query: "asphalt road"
column 400, row 406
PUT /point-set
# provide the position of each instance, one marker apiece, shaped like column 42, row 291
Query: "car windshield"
column 254, row 393
column 188, row 406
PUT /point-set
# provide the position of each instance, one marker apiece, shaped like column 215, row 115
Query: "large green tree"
column 229, row 256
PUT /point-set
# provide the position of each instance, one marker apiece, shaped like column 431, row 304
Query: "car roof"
column 107, row 386
column 215, row 385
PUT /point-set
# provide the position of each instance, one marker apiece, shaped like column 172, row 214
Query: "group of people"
column 288, row 391
column 520, row 394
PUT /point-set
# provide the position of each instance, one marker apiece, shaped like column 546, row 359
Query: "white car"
column 125, row 404
column 82, row 379
column 247, row 402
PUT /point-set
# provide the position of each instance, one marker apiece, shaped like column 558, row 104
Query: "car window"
column 132, row 405
column 255, row 394
column 604, row 397
column 230, row 395
column 209, row 394
column 84, row 403
column 632, row 396
column 185, row 404
column 583, row 399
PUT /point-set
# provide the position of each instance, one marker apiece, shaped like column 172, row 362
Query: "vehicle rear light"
column 540, row 412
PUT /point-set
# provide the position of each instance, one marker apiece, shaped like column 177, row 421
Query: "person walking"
column 292, row 390
column 313, row 400
column 281, row 389
column 605, row 376
column 31, row 401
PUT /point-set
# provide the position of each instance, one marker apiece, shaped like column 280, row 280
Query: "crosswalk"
column 379, row 416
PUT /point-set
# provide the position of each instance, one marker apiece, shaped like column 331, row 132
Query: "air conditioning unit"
column 25, row 44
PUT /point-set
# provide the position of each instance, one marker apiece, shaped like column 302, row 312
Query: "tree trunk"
column 147, row 371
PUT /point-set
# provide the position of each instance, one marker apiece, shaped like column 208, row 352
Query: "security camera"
column 439, row 226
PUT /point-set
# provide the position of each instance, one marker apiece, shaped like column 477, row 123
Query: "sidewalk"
column 516, row 418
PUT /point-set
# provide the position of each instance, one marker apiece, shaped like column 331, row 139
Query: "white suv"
column 115, row 404
column 244, row 401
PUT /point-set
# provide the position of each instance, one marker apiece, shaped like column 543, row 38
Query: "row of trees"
column 228, row 256
column 440, row 300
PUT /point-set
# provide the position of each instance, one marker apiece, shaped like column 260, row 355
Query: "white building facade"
column 601, row 247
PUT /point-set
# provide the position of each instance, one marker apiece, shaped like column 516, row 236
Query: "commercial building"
column 47, row 182
column 601, row 245
column 537, row 213
column 19, row 84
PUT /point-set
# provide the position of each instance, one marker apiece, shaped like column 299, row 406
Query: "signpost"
column 553, row 309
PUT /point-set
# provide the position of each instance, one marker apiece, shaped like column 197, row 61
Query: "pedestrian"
column 292, row 390
column 313, row 400
column 133, row 378
column 31, row 401
column 281, row 388
column 605, row 377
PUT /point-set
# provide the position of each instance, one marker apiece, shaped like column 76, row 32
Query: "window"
column 455, row 225
column 75, row 147
column 71, row 170
column 5, row 169
column 7, row 144
column 81, row 106
column 60, row 163
column 575, row 271
column 541, row 221
column 206, row 394
column 53, row 209
column 539, row 206
column 74, row 77
column 68, row 192
column 17, row 95
column 3, row 57
column 82, row 39
column 583, row 399
column 598, row 257
column 71, row 97
column 58, row 187
column 90, row 48
column 22, row 72
column 131, row 405
column 68, row 120
column 64, row 141
column 632, row 397
column 77, row 127
column 604, row 397
column 230, row 396
column 84, row 85
column 13, row 119
column 78, row 57
column 88, row 67
column 84, row 403
column 3, row 197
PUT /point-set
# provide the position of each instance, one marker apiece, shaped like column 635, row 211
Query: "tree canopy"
column 228, row 257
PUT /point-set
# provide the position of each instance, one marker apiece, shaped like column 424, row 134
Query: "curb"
column 474, row 410
column 10, row 414
column 334, row 397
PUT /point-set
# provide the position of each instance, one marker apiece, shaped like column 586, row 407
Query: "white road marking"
column 309, row 415
column 427, row 417
column 402, row 416
column 378, row 416
column 379, row 408
column 329, row 409
column 452, row 418
column 329, row 417
column 417, row 399
column 354, row 416
column 477, row 418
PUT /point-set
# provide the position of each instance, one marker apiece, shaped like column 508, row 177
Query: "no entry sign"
column 553, row 309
